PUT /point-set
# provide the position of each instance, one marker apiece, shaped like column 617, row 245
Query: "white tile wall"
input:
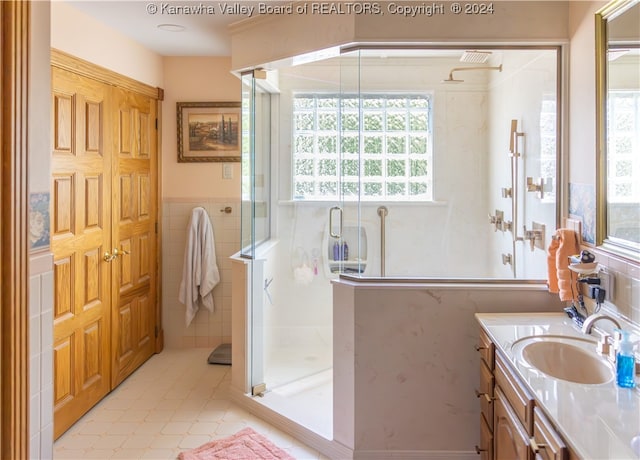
column 626, row 286
column 207, row 329
column 40, row 356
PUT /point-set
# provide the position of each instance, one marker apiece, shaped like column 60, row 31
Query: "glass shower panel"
column 434, row 160
column 255, row 216
column 354, row 235
column 247, row 213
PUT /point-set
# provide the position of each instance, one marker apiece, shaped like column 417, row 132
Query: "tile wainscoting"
column 206, row 329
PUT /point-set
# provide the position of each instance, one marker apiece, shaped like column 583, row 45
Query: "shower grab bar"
column 382, row 212
column 331, row 232
column 515, row 190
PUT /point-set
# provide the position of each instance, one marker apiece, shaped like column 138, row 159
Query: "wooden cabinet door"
column 135, row 163
column 510, row 441
column 80, row 235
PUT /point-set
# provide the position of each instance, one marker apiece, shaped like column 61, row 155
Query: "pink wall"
column 582, row 85
column 85, row 37
column 195, row 79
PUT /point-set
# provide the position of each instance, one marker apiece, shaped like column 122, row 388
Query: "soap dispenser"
column 625, row 362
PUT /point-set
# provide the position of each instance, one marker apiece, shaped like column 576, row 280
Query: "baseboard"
column 328, row 447
column 414, row 455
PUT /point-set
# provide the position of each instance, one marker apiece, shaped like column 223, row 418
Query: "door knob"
column 109, row 257
column 117, row 252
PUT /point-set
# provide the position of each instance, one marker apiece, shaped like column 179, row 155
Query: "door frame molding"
column 90, row 70
column 14, row 314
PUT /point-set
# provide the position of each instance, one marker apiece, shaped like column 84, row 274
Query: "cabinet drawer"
column 485, row 391
column 519, row 399
column 546, row 444
column 485, row 449
column 486, row 349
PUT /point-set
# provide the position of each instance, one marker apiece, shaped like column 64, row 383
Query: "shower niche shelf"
column 356, row 263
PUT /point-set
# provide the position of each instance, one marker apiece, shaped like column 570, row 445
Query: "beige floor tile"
column 176, row 428
column 207, row 428
column 99, row 453
column 166, row 441
column 192, row 441
column 94, row 427
column 173, row 403
column 128, row 454
column 110, row 441
column 159, row 454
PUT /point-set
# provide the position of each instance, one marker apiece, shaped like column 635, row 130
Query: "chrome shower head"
column 475, row 56
column 452, row 80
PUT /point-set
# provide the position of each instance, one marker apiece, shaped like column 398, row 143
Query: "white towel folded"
column 200, row 272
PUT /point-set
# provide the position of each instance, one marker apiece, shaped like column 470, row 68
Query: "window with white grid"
column 548, row 143
column 378, row 146
column 623, row 150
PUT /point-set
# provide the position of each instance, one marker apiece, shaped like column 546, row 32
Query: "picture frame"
column 208, row 131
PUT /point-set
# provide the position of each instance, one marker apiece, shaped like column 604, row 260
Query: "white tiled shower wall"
column 41, row 356
column 206, row 329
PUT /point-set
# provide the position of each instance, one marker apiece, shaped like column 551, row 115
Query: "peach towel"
column 563, row 245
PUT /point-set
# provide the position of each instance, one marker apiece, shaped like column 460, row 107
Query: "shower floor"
column 287, row 365
column 307, row 401
column 300, row 386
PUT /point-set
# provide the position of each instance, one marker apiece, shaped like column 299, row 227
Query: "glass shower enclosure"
column 388, row 163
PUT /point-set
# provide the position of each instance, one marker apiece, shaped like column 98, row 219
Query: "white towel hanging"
column 200, row 272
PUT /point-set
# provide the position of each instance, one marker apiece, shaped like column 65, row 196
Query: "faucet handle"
column 603, row 346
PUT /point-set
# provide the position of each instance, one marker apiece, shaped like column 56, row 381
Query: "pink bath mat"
column 246, row 444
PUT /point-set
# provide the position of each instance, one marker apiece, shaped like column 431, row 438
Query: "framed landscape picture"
column 208, row 131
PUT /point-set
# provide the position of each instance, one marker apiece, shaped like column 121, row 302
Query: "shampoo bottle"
column 345, row 251
column 336, row 251
column 625, row 362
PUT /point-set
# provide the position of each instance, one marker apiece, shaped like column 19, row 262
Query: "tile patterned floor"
column 174, row 402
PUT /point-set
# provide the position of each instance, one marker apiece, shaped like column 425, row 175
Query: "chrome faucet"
column 591, row 320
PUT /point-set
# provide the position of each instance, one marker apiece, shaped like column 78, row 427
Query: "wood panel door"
column 80, row 235
column 134, row 276
column 510, row 441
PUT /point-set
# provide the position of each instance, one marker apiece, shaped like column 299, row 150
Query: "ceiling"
column 205, row 23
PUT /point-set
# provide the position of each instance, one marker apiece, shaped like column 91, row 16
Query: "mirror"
column 618, row 127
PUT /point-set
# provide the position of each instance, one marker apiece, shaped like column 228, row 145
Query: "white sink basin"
column 565, row 358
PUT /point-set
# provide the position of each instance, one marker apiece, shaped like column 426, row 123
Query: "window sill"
column 363, row 204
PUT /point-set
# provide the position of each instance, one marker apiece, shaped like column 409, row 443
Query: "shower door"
column 255, row 213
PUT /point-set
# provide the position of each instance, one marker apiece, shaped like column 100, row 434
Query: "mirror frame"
column 602, row 16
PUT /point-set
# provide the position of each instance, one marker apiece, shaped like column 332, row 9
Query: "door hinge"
column 259, row 389
column 156, row 228
column 156, row 123
column 156, row 331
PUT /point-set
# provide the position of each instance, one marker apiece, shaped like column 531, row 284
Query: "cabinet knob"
column 479, row 450
column 486, row 396
column 535, row 447
column 478, row 348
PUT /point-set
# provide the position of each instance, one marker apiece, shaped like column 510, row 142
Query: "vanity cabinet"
column 511, row 427
column 486, row 350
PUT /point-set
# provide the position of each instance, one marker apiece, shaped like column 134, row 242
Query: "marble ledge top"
column 599, row 422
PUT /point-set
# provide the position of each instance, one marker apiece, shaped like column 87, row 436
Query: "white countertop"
column 599, row 422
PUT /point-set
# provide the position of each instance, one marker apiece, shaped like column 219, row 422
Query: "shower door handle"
column 337, row 234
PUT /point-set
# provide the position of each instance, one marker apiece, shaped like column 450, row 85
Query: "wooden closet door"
column 80, row 235
column 135, row 164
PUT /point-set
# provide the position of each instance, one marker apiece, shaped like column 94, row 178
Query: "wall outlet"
column 607, row 283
